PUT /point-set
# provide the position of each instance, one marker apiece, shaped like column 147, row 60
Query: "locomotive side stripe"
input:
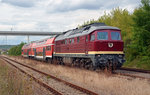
column 69, row 53
column 96, row 52
column 105, row 52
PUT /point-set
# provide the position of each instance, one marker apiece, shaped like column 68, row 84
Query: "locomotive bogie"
column 105, row 60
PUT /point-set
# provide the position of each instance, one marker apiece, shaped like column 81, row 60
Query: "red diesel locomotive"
column 92, row 46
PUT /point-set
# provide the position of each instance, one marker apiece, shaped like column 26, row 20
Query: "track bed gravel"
column 59, row 86
column 97, row 82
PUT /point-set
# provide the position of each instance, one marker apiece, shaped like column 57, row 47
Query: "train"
column 93, row 46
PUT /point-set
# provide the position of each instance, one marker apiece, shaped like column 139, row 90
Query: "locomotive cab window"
column 102, row 35
column 92, row 37
column 115, row 36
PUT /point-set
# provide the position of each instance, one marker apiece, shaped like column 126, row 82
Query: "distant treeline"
column 6, row 47
column 135, row 30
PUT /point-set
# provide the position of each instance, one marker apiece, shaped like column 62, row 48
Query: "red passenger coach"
column 43, row 49
column 26, row 50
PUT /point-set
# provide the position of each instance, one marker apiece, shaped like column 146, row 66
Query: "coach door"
column 27, row 52
column 44, row 53
column 35, row 52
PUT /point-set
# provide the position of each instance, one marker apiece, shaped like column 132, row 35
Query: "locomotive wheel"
column 108, row 68
column 114, row 67
column 61, row 63
column 87, row 66
column 73, row 63
column 82, row 64
column 92, row 67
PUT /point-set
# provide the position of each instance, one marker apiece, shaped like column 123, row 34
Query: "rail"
column 58, row 79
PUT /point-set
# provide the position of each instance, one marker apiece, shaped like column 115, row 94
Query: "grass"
column 98, row 82
column 12, row 82
column 140, row 62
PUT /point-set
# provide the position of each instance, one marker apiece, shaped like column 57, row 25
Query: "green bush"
column 16, row 50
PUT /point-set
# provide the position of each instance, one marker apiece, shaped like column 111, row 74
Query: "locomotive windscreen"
column 115, row 36
column 102, row 35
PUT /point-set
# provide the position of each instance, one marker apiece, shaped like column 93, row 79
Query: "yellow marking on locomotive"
column 105, row 52
column 69, row 53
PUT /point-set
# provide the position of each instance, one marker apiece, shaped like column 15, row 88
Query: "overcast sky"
column 52, row 15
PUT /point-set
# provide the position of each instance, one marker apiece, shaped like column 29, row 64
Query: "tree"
column 141, row 37
column 117, row 18
column 16, row 50
column 122, row 19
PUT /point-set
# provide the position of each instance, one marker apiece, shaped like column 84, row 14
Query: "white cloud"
column 54, row 15
column 69, row 5
column 20, row 3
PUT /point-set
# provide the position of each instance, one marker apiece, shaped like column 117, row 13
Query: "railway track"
column 136, row 70
column 55, row 81
column 134, row 73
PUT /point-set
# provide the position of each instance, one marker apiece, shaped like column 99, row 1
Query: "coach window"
column 92, row 37
column 78, row 39
column 48, row 48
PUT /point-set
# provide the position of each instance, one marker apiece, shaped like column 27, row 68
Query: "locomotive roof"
column 87, row 29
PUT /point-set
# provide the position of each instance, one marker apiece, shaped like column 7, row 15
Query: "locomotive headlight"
column 98, row 55
column 120, row 55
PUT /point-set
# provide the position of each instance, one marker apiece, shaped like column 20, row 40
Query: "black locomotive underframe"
column 98, row 60
column 104, row 60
